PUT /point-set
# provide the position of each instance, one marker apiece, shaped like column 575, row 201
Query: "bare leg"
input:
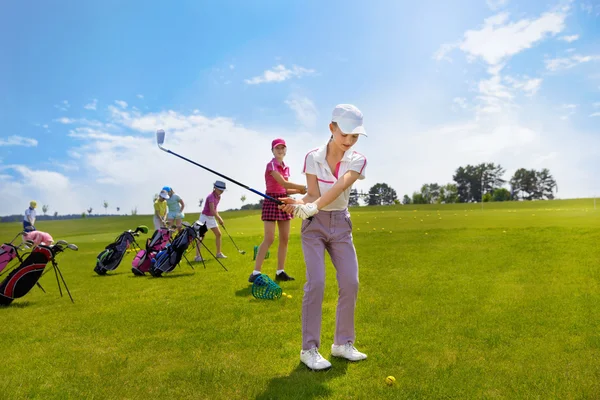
column 264, row 246
column 284, row 236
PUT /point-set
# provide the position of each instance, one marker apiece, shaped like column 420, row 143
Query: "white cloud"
column 92, row 105
column 279, row 73
column 65, row 120
column 500, row 39
column 496, row 4
column 596, row 114
column 569, row 109
column 114, row 166
column 559, row 64
column 231, row 66
column 529, row 86
column 569, row 39
column 305, row 110
column 63, row 105
column 18, row 141
column 140, row 96
column 460, row 102
column 121, row 103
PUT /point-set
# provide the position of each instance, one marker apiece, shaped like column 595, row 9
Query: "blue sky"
column 86, row 84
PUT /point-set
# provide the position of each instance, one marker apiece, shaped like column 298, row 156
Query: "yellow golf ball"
column 289, row 296
column 283, row 294
column 390, row 380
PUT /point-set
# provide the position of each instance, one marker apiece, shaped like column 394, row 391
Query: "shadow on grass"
column 108, row 275
column 16, row 304
column 303, row 383
column 176, row 276
column 244, row 292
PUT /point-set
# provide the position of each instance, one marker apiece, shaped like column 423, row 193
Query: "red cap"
column 277, row 142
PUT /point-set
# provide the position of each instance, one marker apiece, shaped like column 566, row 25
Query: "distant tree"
column 501, row 194
column 118, row 209
column 83, row 214
column 243, row 199
column 353, row 200
column 90, row 210
column 55, row 214
column 45, row 209
column 472, row 181
column 546, row 185
column 487, row 198
column 406, row 199
column 382, row 194
column 201, row 201
column 524, row 184
column 417, row 198
column 134, row 211
column 105, row 203
column 449, row 193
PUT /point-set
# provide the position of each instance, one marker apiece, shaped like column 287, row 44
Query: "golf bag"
column 22, row 279
column 8, row 252
column 167, row 259
column 110, row 258
column 143, row 260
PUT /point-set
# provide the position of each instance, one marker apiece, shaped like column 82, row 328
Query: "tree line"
column 471, row 183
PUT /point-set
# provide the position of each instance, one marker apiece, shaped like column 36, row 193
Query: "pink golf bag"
column 143, row 259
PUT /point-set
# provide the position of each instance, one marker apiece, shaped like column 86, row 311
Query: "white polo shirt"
column 29, row 213
column 316, row 164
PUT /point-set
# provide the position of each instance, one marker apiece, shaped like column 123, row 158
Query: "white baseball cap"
column 349, row 119
column 164, row 194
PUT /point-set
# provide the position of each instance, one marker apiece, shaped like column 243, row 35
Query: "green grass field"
column 455, row 302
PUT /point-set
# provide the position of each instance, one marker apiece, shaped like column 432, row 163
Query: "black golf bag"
column 169, row 258
column 110, row 258
column 22, row 279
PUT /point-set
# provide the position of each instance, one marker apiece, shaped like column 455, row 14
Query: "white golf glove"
column 305, row 211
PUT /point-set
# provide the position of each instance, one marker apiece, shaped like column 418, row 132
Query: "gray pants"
column 331, row 231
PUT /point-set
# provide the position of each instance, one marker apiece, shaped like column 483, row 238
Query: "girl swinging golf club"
column 330, row 170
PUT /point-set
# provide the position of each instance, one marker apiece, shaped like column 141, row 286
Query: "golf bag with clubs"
column 8, row 252
column 110, row 258
column 169, row 258
column 22, row 279
column 143, row 260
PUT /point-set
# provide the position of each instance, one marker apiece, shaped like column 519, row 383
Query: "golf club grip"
column 228, row 178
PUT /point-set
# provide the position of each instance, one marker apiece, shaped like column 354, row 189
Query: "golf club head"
column 61, row 243
column 72, row 247
column 160, row 137
column 142, row 228
column 242, row 252
column 185, row 223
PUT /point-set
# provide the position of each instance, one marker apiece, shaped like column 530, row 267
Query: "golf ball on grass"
column 289, row 296
column 390, row 380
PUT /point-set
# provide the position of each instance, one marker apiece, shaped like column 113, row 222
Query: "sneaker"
column 252, row 277
column 314, row 360
column 347, row 351
column 221, row 255
column 284, row 277
column 198, row 259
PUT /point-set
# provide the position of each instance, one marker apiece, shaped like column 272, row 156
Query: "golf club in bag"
column 167, row 259
column 9, row 252
column 160, row 140
column 22, row 279
column 238, row 249
column 143, row 259
column 110, row 258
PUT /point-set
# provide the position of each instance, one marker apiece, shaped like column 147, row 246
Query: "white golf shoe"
column 314, row 360
column 221, row 255
column 347, row 351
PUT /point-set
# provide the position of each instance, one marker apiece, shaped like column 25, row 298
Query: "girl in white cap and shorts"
column 330, row 170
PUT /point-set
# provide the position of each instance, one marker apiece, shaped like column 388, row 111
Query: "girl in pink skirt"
column 276, row 179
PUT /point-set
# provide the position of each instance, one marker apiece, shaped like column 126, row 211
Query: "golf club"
column 238, row 249
column 160, row 140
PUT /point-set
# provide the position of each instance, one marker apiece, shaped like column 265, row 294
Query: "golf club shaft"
column 224, row 177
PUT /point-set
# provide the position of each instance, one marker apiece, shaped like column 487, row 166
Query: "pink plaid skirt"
column 270, row 212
